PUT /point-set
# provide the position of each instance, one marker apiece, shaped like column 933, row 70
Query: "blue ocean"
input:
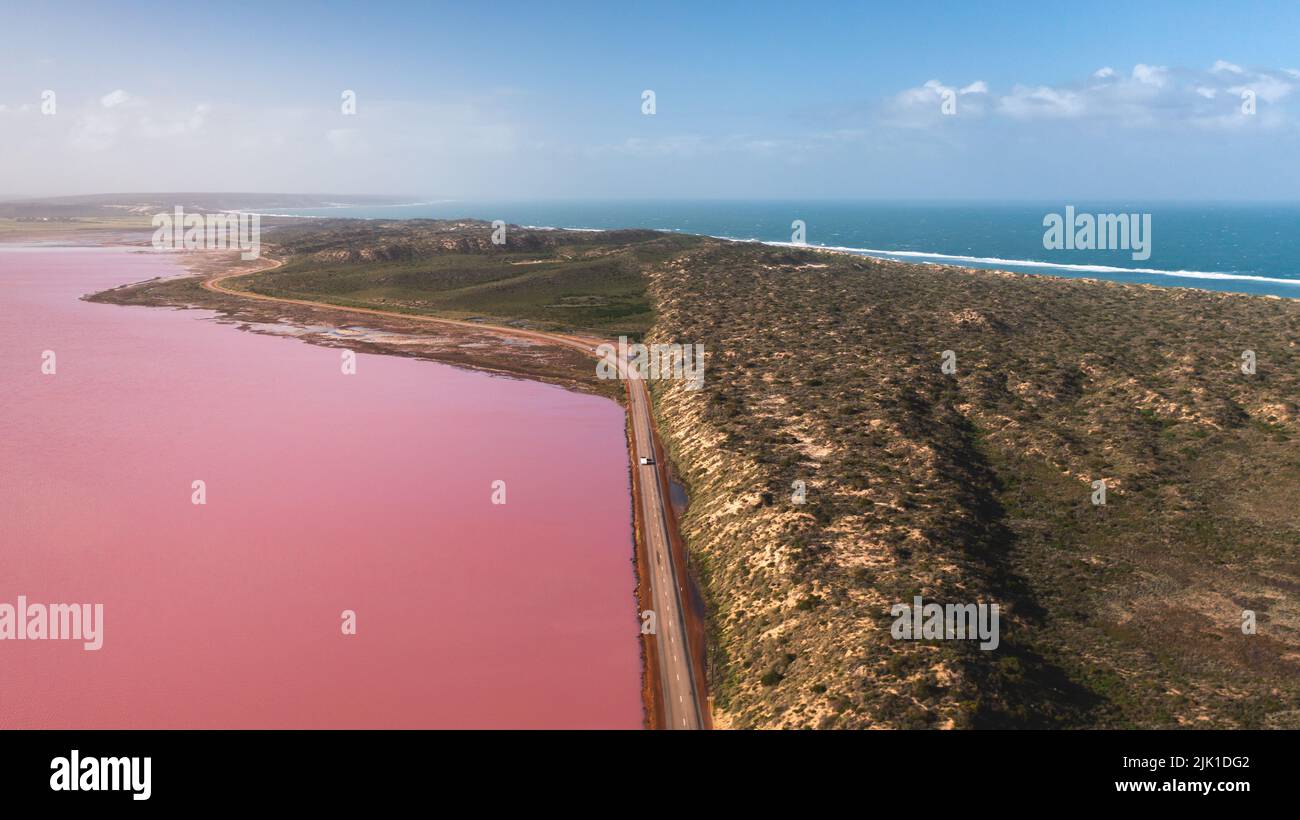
column 1244, row 248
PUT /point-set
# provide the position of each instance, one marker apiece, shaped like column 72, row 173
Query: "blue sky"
column 1082, row 101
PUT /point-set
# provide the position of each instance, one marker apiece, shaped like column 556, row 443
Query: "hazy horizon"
column 421, row 200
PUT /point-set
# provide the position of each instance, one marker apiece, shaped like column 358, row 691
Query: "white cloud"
column 924, row 106
column 1156, row 75
column 180, row 145
column 1041, row 101
column 176, row 125
column 1268, row 88
column 114, row 98
column 1149, row 96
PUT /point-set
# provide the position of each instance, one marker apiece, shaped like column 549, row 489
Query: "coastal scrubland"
column 24, row 229
column 969, row 486
column 977, row 486
column 546, row 279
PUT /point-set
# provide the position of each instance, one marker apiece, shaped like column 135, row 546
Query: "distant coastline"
column 1211, row 246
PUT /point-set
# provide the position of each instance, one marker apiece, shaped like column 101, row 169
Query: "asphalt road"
column 681, row 697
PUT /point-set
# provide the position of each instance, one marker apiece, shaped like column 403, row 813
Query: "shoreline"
column 923, row 258
column 1059, row 270
column 386, row 523
column 107, row 235
column 215, row 273
column 654, row 697
column 467, row 345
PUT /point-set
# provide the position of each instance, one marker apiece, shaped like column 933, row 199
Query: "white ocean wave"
column 1028, row 263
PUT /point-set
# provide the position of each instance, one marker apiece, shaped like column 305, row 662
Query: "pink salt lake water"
column 325, row 493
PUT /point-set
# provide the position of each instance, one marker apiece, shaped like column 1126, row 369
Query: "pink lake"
column 325, row 493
